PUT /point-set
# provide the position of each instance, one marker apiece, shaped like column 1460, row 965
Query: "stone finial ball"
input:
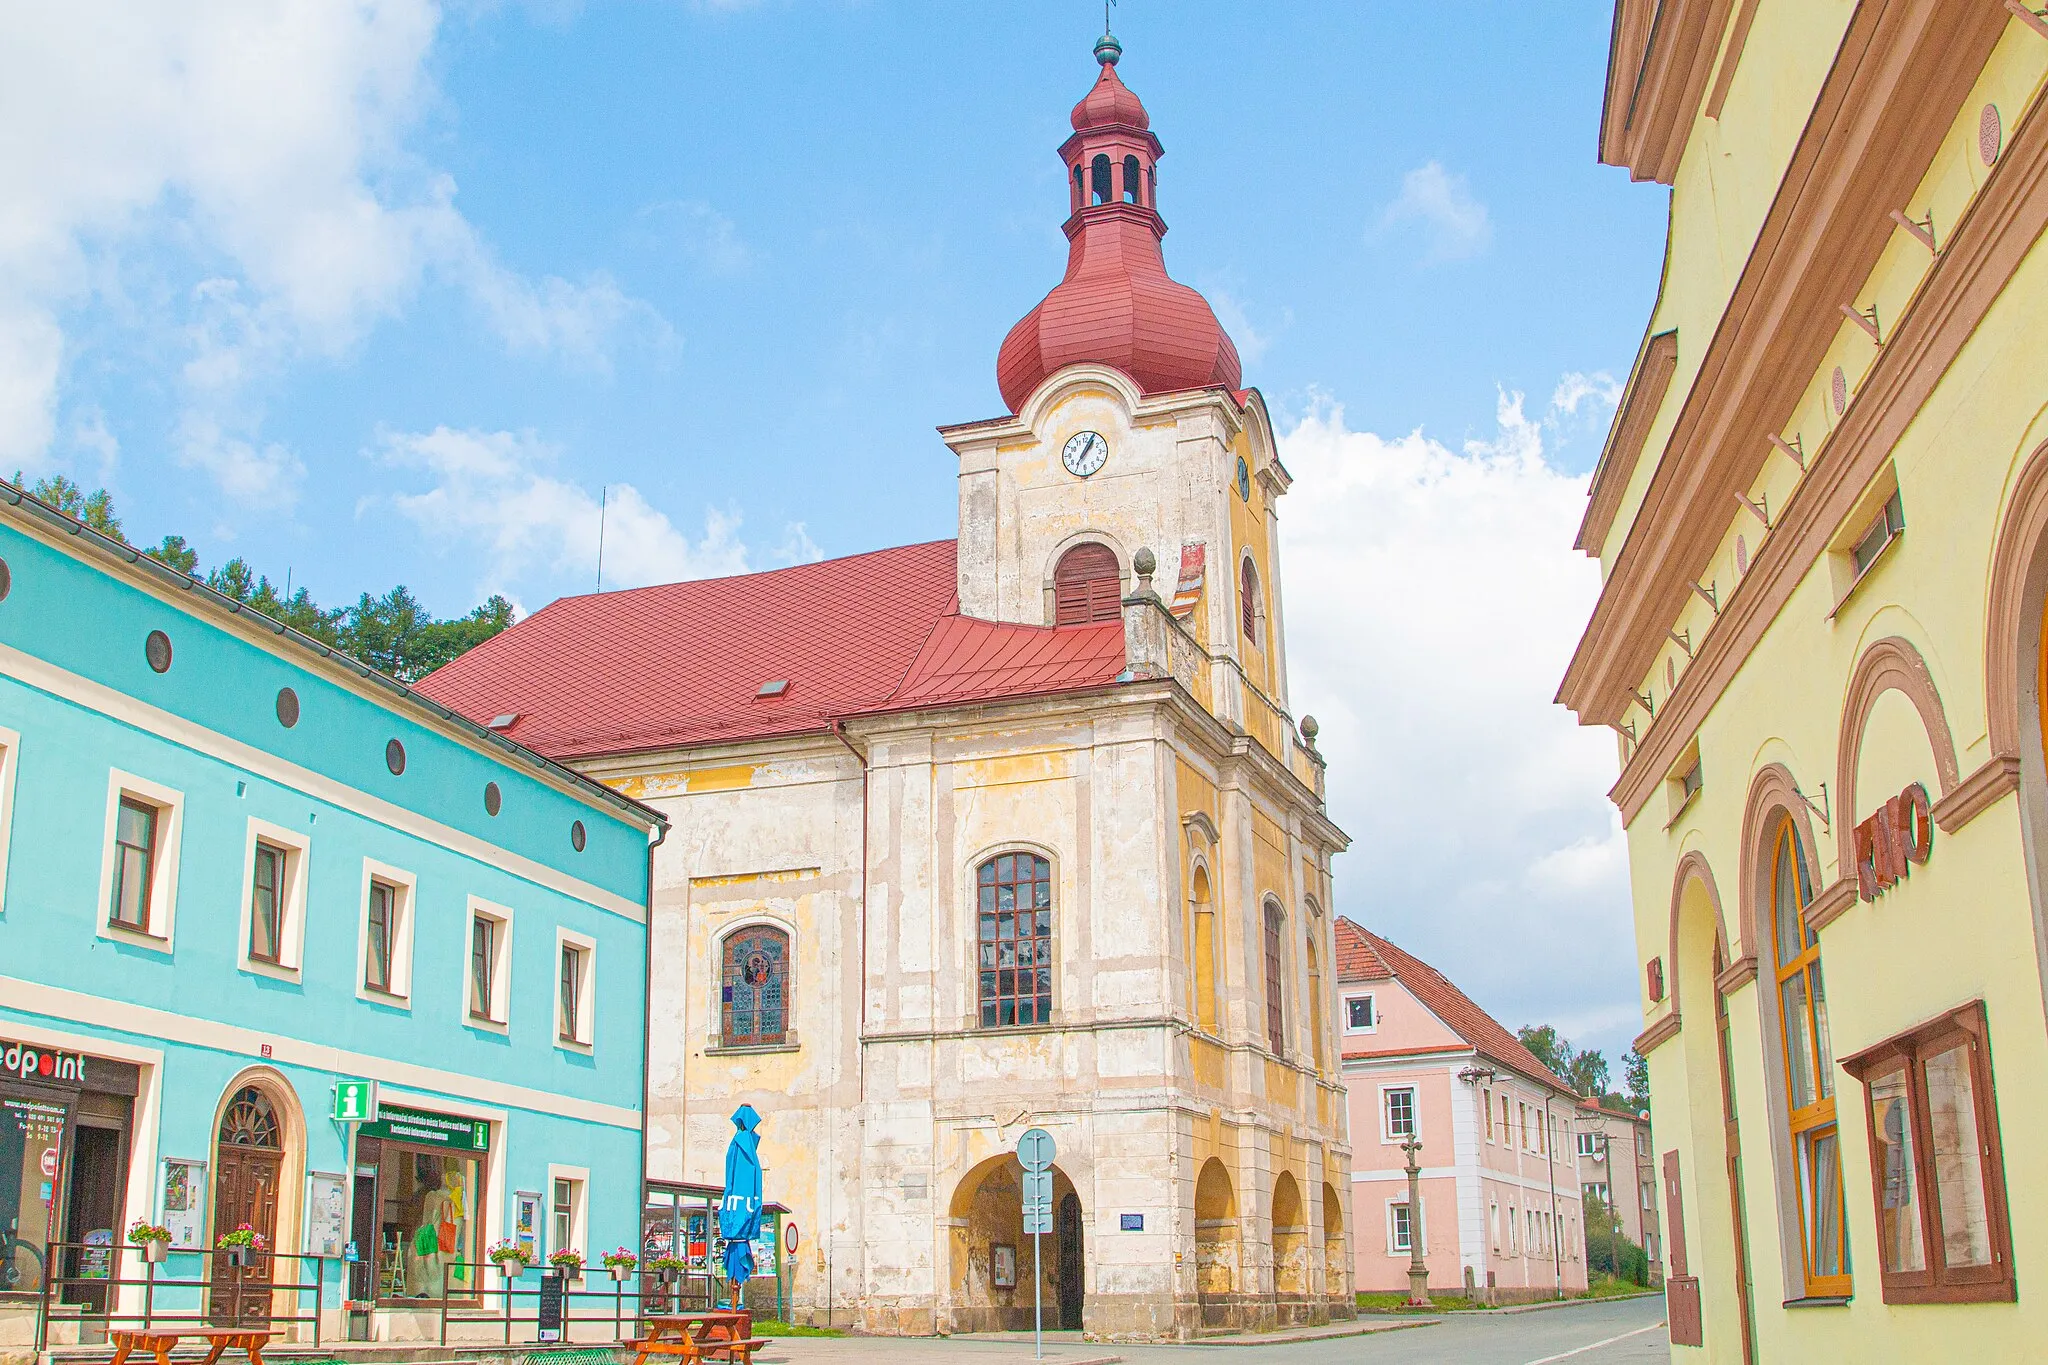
column 1144, row 561
column 1309, row 729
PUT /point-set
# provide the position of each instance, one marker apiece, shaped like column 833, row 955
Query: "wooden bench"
column 160, row 1342
column 685, row 1348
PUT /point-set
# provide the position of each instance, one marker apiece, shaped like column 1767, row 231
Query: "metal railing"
column 229, row 1295
column 649, row 1296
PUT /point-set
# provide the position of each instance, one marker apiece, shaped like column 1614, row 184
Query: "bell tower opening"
column 1087, row 586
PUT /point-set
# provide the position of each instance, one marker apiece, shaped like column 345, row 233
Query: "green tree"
column 1585, row 1071
column 1635, row 1075
column 173, row 551
column 95, row 509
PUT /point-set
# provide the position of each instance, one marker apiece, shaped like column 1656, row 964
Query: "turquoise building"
column 240, row 875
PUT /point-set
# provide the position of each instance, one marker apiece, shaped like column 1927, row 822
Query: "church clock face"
column 1085, row 453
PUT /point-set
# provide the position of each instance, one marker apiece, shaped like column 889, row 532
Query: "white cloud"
column 1575, row 388
column 494, row 495
column 1433, row 600
column 1442, row 203
column 253, row 157
column 699, row 231
column 1252, row 341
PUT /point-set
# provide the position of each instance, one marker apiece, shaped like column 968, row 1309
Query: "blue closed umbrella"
column 739, row 1215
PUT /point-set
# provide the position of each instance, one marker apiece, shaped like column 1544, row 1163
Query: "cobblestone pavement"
column 1629, row 1332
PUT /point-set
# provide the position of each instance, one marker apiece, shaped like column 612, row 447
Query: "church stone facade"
column 1007, row 831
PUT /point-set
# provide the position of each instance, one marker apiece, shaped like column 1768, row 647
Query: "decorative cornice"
column 1640, row 403
column 1990, row 241
column 1986, row 787
column 1900, row 75
column 1831, row 904
column 1657, row 66
column 1663, row 1031
column 1736, row 974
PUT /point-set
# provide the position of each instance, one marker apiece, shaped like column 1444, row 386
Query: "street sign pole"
column 1035, row 1153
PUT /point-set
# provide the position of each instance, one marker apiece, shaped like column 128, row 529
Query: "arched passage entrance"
column 1336, row 1262
column 1290, row 1249
column 1216, row 1243
column 992, row 1258
column 258, row 1139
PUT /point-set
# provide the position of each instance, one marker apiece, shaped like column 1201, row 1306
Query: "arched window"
column 1014, row 934
column 754, row 988
column 250, row 1121
column 1131, row 180
column 1087, row 586
column 1276, row 1012
column 1203, row 948
column 1809, row 1070
column 1080, row 186
column 1248, row 599
column 1098, row 171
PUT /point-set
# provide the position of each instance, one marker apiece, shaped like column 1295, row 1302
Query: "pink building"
column 1617, row 1162
column 1500, row 1179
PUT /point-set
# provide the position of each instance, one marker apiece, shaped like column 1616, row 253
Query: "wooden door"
column 248, row 1160
column 1071, row 1284
column 1681, row 1290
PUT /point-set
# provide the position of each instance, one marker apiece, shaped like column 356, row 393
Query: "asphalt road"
column 1628, row 1332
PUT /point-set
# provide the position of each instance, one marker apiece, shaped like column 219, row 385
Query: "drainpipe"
column 1550, row 1173
column 655, row 836
column 860, row 1042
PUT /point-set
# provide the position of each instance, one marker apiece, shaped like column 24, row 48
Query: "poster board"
column 326, row 1213
column 184, row 1202
column 526, row 1223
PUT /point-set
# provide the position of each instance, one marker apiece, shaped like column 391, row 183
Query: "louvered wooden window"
column 1248, row 600
column 1276, row 1012
column 1087, row 586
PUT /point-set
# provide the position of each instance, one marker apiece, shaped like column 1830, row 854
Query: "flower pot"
column 670, row 1275
column 153, row 1253
column 621, row 1273
column 241, row 1257
column 511, row 1267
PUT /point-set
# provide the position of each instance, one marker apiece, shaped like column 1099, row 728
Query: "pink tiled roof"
column 1448, row 1003
column 682, row 664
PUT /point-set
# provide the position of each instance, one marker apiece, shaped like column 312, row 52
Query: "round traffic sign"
column 49, row 1161
column 1035, row 1149
column 789, row 1239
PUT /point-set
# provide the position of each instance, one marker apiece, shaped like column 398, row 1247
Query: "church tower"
column 1130, row 432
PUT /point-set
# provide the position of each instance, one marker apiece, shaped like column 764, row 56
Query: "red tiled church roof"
column 683, row 663
column 1441, row 998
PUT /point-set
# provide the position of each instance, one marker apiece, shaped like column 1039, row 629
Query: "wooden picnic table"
column 726, row 1335
column 160, row 1342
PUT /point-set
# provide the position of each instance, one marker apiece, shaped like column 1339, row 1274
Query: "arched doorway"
column 992, row 1258
column 248, row 1174
column 1216, row 1243
column 1290, row 1249
column 1336, row 1261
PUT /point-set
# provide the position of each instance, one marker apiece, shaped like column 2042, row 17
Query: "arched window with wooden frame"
column 1087, row 586
column 753, row 1006
column 1808, row 1060
column 1276, row 975
column 1013, row 936
column 1248, row 599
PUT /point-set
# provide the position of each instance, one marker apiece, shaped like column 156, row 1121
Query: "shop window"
column 1936, row 1167
column 273, row 900
column 488, row 983
column 1359, row 1014
column 1808, row 1067
column 1013, row 913
column 429, row 1202
column 754, row 988
column 138, row 882
column 385, row 951
column 1397, row 1111
column 33, row 1124
column 1276, row 1005
column 575, row 989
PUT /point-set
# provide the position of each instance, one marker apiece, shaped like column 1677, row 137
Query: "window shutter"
column 1087, row 586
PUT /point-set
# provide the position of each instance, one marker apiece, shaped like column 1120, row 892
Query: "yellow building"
column 1820, row 516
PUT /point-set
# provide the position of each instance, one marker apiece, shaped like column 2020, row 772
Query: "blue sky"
column 387, row 292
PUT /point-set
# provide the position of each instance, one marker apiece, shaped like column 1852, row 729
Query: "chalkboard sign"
column 551, row 1286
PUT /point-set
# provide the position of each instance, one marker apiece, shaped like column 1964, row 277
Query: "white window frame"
column 1388, row 1137
column 163, row 877
column 291, row 910
column 1589, row 1146
column 407, row 887
column 579, row 1210
column 1395, row 1246
column 10, row 755
column 1372, row 1008
column 585, row 1038
column 499, row 1020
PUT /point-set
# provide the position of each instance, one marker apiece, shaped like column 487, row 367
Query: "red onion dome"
column 1117, row 306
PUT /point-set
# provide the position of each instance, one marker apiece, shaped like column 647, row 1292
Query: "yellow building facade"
column 1822, row 520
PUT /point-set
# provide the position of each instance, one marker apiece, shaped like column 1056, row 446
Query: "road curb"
column 1307, row 1338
